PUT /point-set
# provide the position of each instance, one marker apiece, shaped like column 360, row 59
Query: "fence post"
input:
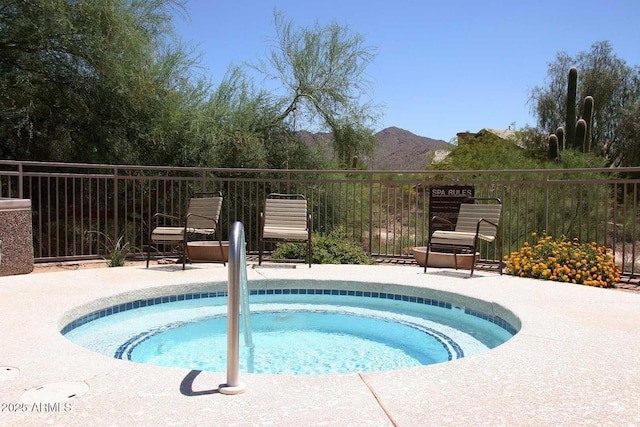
column 546, row 201
column 20, row 182
column 288, row 182
column 115, row 205
column 370, row 213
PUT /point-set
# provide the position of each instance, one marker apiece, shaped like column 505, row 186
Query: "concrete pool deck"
column 576, row 360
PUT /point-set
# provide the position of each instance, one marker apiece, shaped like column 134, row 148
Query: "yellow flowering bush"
column 564, row 260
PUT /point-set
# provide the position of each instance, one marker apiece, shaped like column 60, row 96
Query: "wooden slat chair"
column 476, row 221
column 285, row 218
column 202, row 218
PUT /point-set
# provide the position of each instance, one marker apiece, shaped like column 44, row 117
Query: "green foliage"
column 534, row 143
column 334, row 248
column 574, row 159
column 351, row 141
column 118, row 253
column 94, row 81
column 108, row 81
column 629, row 147
column 321, row 71
column 117, row 250
column 613, row 84
column 487, row 152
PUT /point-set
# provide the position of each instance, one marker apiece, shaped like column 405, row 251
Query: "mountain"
column 398, row 149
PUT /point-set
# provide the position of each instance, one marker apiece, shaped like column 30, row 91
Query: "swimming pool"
column 324, row 327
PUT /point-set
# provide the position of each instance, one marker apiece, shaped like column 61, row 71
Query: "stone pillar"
column 16, row 235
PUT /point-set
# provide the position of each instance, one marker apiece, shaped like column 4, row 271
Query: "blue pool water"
column 313, row 332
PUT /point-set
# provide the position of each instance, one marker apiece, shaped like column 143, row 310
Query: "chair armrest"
column 208, row 218
column 480, row 221
column 208, row 193
column 442, row 220
column 163, row 215
column 203, row 217
column 488, row 222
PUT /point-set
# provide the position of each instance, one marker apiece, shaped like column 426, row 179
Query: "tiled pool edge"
column 131, row 305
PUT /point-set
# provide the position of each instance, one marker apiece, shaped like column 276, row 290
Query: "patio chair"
column 201, row 219
column 478, row 219
column 285, row 218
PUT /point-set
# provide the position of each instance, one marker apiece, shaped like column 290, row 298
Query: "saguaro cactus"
column 576, row 133
column 553, row 147
column 587, row 115
column 560, row 135
column 572, row 84
column 581, row 135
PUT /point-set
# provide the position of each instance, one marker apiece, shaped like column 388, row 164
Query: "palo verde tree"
column 237, row 127
column 606, row 78
column 321, row 71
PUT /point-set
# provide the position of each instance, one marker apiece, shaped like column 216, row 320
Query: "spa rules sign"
column 445, row 202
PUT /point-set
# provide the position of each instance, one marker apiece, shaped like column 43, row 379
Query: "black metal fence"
column 80, row 210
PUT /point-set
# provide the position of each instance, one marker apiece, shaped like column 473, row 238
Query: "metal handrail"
column 244, row 307
column 237, row 274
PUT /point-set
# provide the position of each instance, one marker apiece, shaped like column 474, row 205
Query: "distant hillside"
column 402, row 150
column 398, row 149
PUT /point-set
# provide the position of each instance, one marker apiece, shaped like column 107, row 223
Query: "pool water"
column 294, row 334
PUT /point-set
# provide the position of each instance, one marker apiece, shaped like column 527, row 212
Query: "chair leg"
column 426, row 257
column 221, row 252
column 500, row 255
column 473, row 259
column 184, row 249
column 260, row 248
column 149, row 249
column 455, row 258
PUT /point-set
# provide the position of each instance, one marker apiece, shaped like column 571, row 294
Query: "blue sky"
column 441, row 67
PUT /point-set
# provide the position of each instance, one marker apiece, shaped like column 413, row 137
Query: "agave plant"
column 117, row 250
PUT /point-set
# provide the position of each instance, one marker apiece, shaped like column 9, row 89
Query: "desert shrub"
column 117, row 250
column 564, row 260
column 118, row 253
column 334, row 248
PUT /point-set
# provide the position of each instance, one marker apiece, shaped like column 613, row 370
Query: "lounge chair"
column 285, row 218
column 202, row 218
column 478, row 219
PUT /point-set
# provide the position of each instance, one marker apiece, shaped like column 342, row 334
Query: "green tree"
column 238, row 128
column 486, row 151
column 107, row 81
column 525, row 150
column 322, row 74
column 628, row 152
column 601, row 74
column 95, row 81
